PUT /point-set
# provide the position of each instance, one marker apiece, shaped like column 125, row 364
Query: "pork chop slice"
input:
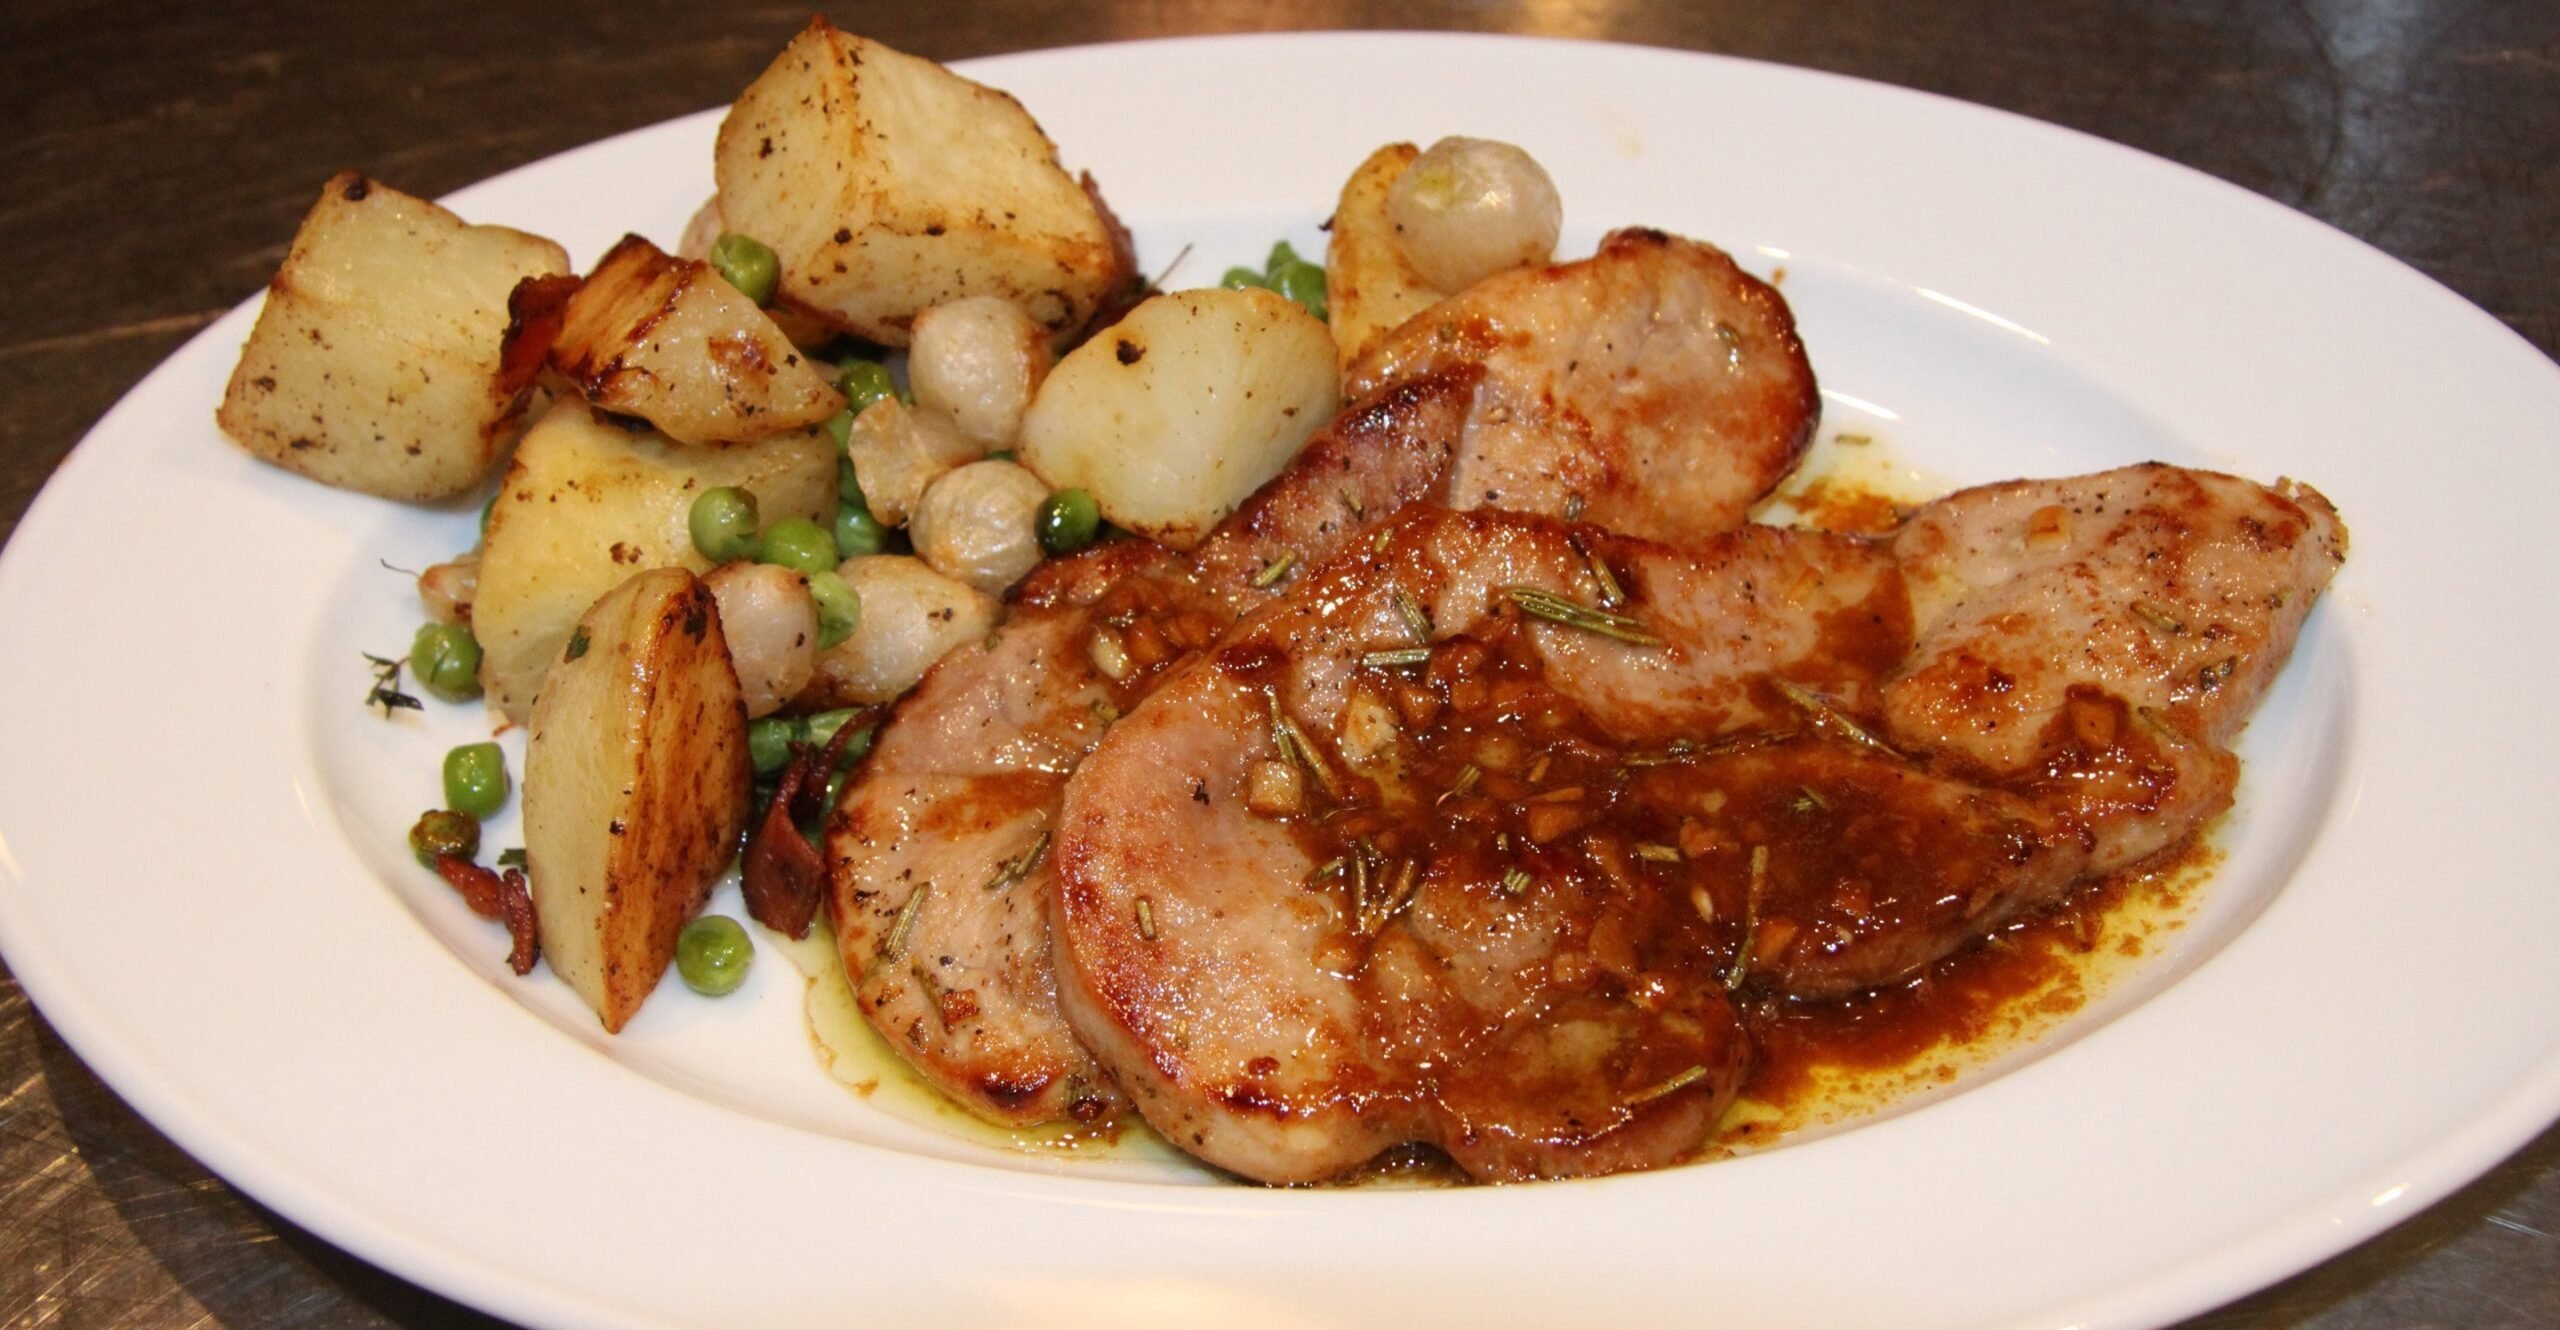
column 963, row 782
column 1603, row 378
column 1331, row 887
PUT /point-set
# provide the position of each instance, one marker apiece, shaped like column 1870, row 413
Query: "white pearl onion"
column 1469, row 208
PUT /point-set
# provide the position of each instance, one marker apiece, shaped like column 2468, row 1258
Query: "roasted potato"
column 636, row 786
column 587, row 503
column 1183, row 408
column 669, row 341
column 376, row 363
column 888, row 184
column 1369, row 283
column 911, row 616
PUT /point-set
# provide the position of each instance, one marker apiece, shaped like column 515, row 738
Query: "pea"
column 839, row 427
column 769, row 740
column 865, row 381
column 1238, row 279
column 444, row 831
column 475, row 779
column 723, row 523
column 712, row 955
column 1301, row 282
column 839, row 609
column 1068, row 521
column 822, row 731
column 800, row 544
column 1283, row 255
column 747, row 264
column 446, row 659
column 849, row 484
column 857, row 531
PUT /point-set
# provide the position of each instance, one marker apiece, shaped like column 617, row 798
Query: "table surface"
column 158, row 158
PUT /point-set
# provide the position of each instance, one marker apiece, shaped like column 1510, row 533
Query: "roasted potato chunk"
column 667, row 340
column 588, row 502
column 1182, row 408
column 1369, row 283
column 375, row 365
column 636, row 786
column 888, row 184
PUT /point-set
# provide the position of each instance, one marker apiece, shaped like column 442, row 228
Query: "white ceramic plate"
column 202, row 884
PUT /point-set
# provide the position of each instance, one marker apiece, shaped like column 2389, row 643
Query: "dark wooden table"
column 158, row 158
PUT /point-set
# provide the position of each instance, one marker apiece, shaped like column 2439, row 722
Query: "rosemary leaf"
column 1515, row 880
column 1146, row 919
column 1399, row 658
column 1273, row 571
column 1416, row 621
column 1574, row 614
column 1659, row 854
column 895, row 944
column 2158, row 618
column 1820, row 708
column 1667, row 1088
column 1019, row 866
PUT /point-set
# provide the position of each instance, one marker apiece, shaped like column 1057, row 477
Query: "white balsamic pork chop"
column 938, row 847
column 1471, row 839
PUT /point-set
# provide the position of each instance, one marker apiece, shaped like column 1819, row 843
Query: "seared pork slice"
column 2051, row 612
column 1465, row 928
column 1019, row 713
column 1333, row 887
column 1655, row 389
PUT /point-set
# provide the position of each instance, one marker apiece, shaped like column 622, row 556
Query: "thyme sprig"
column 386, row 692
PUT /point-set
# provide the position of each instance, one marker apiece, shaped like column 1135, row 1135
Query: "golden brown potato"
column 1181, row 409
column 889, row 184
column 376, row 365
column 636, row 785
column 668, row 340
column 1369, row 284
column 587, row 503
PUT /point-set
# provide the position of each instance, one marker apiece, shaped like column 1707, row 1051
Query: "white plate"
column 201, row 881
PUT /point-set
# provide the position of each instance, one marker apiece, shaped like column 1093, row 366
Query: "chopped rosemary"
column 513, row 858
column 1273, row 571
column 1464, row 783
column 1352, row 502
column 1516, row 880
column 1104, row 711
column 386, row 692
column 1822, row 710
column 1611, row 594
column 1146, row 919
column 1741, row 968
column 577, row 644
column 1574, row 614
column 1398, row 658
column 1294, row 746
column 1667, row 1088
column 1019, row 866
column 1659, row 854
column 1574, row 503
column 1330, row 870
column 1853, row 440
column 2215, row 675
column 1810, row 800
column 2158, row 618
column 1416, row 621
column 895, row 944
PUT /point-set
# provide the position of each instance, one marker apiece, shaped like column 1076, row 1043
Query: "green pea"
column 444, row 831
column 723, row 523
column 748, row 264
column 1238, row 279
column 1283, row 255
column 446, row 659
column 849, row 484
column 769, row 740
column 822, row 731
column 1068, row 521
column 712, row 955
column 839, row 427
column 1301, row 282
column 857, row 531
column 865, row 381
column 475, row 779
column 800, row 544
column 839, row 609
